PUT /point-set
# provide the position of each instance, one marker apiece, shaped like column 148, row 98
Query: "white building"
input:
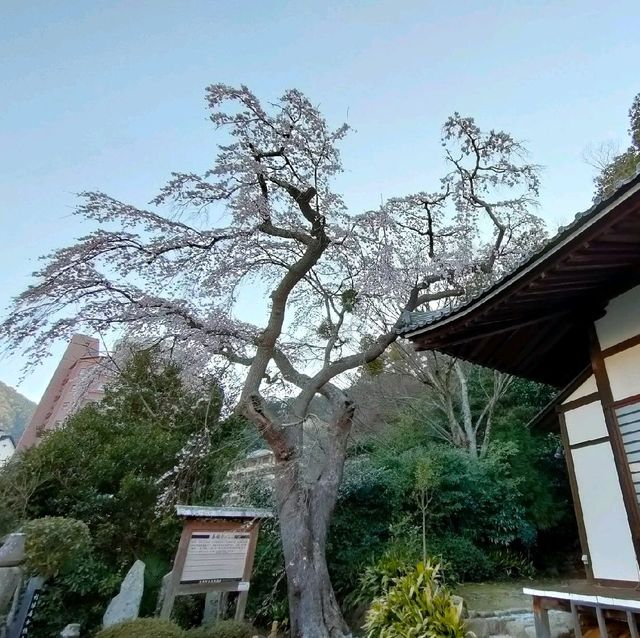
column 570, row 316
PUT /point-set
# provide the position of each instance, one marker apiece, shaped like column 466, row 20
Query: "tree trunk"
column 465, row 407
column 305, row 499
column 313, row 609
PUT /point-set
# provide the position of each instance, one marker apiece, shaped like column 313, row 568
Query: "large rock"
column 12, row 551
column 126, row 605
column 10, row 580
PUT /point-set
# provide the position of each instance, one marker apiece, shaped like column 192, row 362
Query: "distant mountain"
column 15, row 411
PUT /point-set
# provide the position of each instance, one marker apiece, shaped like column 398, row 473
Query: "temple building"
column 569, row 316
column 78, row 380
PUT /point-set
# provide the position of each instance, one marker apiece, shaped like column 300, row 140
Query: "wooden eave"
column 534, row 323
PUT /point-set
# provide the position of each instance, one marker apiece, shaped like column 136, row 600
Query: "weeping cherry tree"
column 264, row 221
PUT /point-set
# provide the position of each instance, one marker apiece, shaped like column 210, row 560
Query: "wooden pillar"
column 241, row 605
column 633, row 627
column 541, row 618
column 602, row 624
column 577, row 631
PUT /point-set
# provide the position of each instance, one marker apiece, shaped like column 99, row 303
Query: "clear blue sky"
column 109, row 95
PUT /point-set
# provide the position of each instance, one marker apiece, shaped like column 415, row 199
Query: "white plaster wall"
column 585, row 423
column 622, row 320
column 605, row 519
column 588, row 387
column 623, row 370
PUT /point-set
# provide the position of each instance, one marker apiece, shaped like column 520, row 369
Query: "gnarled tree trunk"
column 306, row 490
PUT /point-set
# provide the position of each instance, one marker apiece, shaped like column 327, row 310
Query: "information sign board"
column 214, row 556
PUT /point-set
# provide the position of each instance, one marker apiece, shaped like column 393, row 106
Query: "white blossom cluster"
column 265, row 215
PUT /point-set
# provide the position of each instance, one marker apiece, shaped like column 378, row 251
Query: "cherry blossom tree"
column 265, row 219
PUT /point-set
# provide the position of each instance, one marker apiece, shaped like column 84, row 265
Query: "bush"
column 509, row 564
column 143, row 628
column 462, row 559
column 416, row 605
column 79, row 593
column 54, row 543
column 223, row 629
column 377, row 577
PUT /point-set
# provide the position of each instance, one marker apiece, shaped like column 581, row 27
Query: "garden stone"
column 211, row 608
column 485, row 627
column 164, row 585
column 12, row 551
column 126, row 605
column 10, row 579
column 71, row 631
column 459, row 601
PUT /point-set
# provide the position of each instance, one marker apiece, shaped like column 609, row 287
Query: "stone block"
column 126, row 605
column 12, row 550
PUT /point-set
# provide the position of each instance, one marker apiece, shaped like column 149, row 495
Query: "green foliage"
column 349, row 297
column 78, row 593
column 15, row 411
column 368, row 499
column 416, row 605
column 143, row 628
column 102, row 468
column 377, row 577
column 512, row 564
column 463, row 560
column 624, row 165
column 268, row 600
column 61, row 549
column 223, row 629
column 53, row 543
column 487, row 518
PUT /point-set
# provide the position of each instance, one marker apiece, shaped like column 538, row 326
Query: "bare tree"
column 330, row 276
column 448, row 402
column 613, row 165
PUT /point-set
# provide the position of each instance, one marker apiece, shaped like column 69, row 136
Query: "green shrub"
column 510, row 564
column 377, row 577
column 143, row 628
column 79, row 593
column 223, row 629
column 54, row 543
column 462, row 560
column 416, row 605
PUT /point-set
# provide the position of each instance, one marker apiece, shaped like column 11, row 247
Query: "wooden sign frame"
column 214, row 520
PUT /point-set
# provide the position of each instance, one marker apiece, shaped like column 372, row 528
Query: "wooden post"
column 602, row 624
column 633, row 627
column 577, row 631
column 176, row 572
column 541, row 618
column 241, row 604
